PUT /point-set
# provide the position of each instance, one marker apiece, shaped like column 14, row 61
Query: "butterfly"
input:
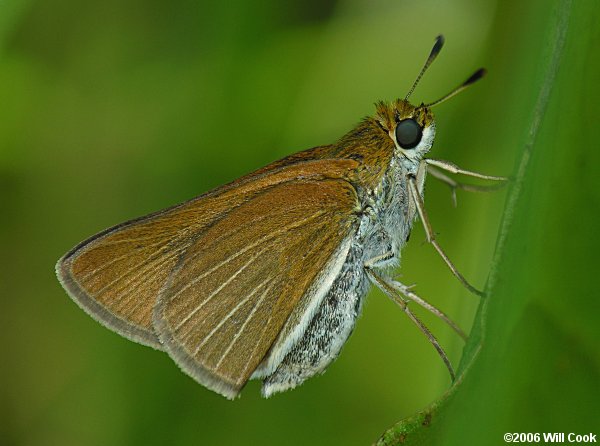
column 264, row 278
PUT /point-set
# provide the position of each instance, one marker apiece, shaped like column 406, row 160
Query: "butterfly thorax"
column 383, row 177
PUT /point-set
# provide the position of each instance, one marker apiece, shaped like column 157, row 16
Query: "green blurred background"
column 110, row 110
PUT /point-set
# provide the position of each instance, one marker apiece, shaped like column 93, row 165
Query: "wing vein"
column 151, row 261
column 113, row 261
column 216, row 291
column 231, row 313
column 239, row 332
column 242, row 251
column 262, row 334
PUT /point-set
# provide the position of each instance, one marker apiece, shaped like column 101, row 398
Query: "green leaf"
column 532, row 363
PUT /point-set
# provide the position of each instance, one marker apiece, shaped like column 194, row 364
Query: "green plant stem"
column 411, row 429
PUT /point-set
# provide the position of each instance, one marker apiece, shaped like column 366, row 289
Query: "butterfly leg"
column 393, row 291
column 453, row 168
column 409, row 294
column 418, row 202
column 454, row 185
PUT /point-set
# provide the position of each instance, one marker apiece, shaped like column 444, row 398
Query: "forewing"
column 237, row 284
column 116, row 275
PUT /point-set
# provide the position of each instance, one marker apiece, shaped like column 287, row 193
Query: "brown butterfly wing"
column 237, row 284
column 116, row 275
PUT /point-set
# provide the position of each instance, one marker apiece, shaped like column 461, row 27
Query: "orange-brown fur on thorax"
column 370, row 142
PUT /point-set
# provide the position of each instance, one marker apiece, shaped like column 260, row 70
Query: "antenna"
column 471, row 80
column 437, row 46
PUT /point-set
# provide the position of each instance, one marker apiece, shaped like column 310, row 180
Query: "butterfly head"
column 411, row 128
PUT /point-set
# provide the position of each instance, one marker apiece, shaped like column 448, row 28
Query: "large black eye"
column 408, row 133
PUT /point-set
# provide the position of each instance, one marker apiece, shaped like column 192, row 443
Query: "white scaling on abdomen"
column 328, row 330
column 385, row 230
